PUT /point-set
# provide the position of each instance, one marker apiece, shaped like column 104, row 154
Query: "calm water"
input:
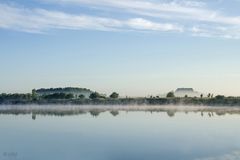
column 135, row 135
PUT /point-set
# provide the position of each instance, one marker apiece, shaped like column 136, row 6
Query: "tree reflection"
column 33, row 116
column 171, row 113
column 210, row 112
column 95, row 112
column 220, row 113
column 114, row 112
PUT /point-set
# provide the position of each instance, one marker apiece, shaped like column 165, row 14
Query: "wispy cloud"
column 40, row 20
column 184, row 16
column 181, row 9
column 231, row 156
column 143, row 24
column 227, row 32
column 187, row 12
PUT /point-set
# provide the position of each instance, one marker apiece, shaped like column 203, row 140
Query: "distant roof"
column 185, row 90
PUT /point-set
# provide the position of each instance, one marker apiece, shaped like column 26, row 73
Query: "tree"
column 59, row 96
column 170, row 95
column 114, row 95
column 69, row 96
column 220, row 97
column 201, row 95
column 34, row 94
column 81, row 96
column 209, row 95
column 94, row 95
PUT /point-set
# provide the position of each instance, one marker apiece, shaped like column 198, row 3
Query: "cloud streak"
column 186, row 12
column 40, row 20
column 231, row 156
column 178, row 16
column 181, row 9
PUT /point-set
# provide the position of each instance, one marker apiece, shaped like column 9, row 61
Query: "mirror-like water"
column 123, row 135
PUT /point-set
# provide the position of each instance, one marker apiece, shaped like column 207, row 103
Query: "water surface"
column 120, row 135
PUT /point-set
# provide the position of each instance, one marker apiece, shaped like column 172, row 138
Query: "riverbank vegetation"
column 96, row 98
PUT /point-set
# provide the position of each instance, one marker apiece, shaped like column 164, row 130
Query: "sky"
column 133, row 47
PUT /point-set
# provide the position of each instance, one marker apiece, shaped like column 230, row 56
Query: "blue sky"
column 134, row 47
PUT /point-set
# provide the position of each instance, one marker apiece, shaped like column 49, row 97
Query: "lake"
column 119, row 134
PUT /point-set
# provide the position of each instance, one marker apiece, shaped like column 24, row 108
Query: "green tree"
column 94, row 95
column 209, row 95
column 114, row 95
column 220, row 97
column 69, row 96
column 81, row 96
column 170, row 95
column 59, row 96
column 34, row 94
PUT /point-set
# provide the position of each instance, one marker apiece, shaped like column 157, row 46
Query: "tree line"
column 114, row 98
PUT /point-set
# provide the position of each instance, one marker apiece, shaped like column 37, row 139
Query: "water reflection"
column 114, row 112
column 95, row 112
column 33, row 116
column 171, row 113
column 108, row 133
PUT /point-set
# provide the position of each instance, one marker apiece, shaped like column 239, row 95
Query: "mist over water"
column 133, row 132
column 62, row 110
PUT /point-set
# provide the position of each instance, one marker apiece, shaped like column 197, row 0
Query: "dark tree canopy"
column 219, row 97
column 170, row 95
column 67, row 90
column 114, row 95
column 59, row 96
column 209, row 95
column 95, row 95
column 81, row 96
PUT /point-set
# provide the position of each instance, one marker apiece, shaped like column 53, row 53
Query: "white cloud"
column 185, row 16
column 178, row 9
column 227, row 32
column 139, row 23
column 193, row 16
column 231, row 156
column 40, row 20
